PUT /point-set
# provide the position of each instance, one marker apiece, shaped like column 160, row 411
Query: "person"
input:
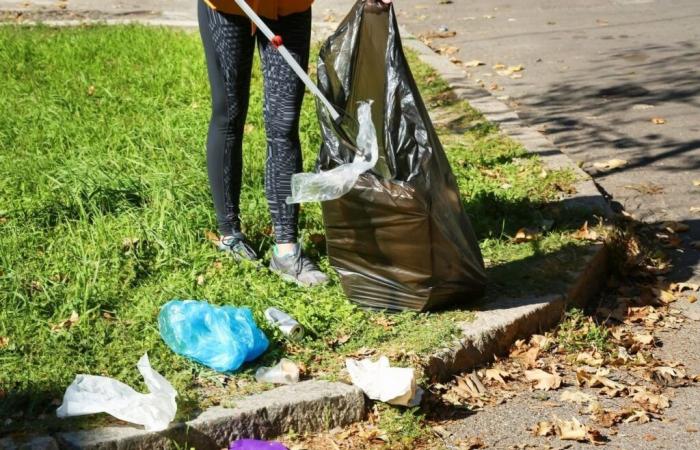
column 229, row 40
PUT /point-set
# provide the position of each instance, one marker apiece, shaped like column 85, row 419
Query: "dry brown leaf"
column 668, row 376
column 675, row 227
column 680, row 287
column 658, row 120
column 638, row 415
column 696, row 183
column 4, row 341
column 543, row 428
column 474, row 442
column 579, row 397
column 610, row 164
column 212, row 237
column 473, row 63
column 584, row 233
column 469, row 386
column 644, row 339
column 571, row 430
column 610, row 388
column 496, row 375
column 545, row 380
column 651, row 402
column 590, row 358
column 526, row 235
column 66, row 324
column 498, row 66
column 541, row 341
column 528, row 358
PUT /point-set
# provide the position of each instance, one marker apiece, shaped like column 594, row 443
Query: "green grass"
column 106, row 208
column 579, row 332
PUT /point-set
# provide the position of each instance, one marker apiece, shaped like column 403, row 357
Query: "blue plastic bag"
column 222, row 338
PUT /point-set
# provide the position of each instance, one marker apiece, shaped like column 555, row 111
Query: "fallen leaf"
column 584, row 233
column 654, row 403
column 496, row 375
column 644, row 339
column 658, row 120
column 4, row 341
column 212, row 237
column 543, row 428
column 384, row 322
column 668, row 376
column 66, row 324
column 545, row 380
column 680, row 287
column 473, row 63
column 649, row 437
column 610, row 164
column 696, row 183
column 529, row 357
column 525, row 235
column 498, row 66
column 579, row 397
column 590, row 358
column 571, row 430
column 675, row 227
column 469, row 386
column 543, row 342
column 474, row 442
column 638, row 415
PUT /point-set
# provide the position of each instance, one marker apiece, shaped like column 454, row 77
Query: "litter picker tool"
column 276, row 41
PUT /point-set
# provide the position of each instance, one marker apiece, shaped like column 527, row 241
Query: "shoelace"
column 240, row 246
column 304, row 264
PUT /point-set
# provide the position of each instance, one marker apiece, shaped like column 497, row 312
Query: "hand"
column 377, row 6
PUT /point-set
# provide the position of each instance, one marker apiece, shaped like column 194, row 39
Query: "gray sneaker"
column 236, row 246
column 297, row 268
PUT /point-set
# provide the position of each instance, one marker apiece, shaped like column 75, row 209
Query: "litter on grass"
column 285, row 323
column 379, row 381
column 220, row 337
column 90, row 394
column 284, row 372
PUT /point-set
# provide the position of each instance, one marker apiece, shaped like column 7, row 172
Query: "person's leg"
column 229, row 48
column 284, row 92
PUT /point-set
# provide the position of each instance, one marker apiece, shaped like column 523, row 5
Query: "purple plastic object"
column 254, row 444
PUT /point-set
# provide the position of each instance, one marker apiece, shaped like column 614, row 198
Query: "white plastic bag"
column 284, row 372
column 379, row 381
column 90, row 394
column 334, row 183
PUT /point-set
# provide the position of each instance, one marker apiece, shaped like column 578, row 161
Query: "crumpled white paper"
column 90, row 394
column 379, row 381
column 334, row 183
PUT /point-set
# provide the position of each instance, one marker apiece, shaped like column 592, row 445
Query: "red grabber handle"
column 276, row 41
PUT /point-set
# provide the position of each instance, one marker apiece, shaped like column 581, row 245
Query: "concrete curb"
column 304, row 407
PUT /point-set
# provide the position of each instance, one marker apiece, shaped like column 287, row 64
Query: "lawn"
column 105, row 211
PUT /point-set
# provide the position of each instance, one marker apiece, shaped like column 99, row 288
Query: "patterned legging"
column 229, row 47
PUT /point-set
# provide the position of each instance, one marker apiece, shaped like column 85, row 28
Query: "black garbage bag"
column 400, row 239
